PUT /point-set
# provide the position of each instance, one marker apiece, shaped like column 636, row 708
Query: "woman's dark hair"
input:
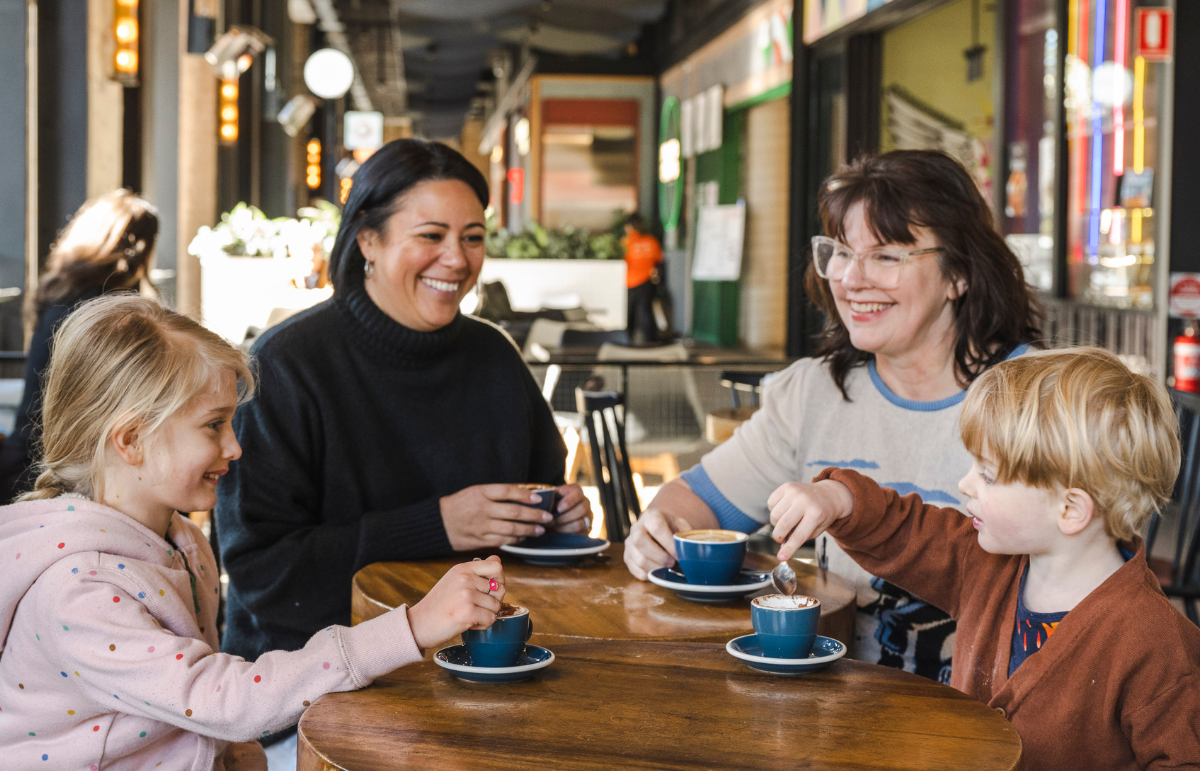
column 107, row 244
column 904, row 189
column 379, row 185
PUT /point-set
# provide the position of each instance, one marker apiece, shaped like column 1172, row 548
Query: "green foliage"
column 568, row 243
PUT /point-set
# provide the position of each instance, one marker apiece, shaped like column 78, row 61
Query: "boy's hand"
column 462, row 599
column 805, row 511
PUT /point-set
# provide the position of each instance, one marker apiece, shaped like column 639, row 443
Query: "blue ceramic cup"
column 710, row 557
column 547, row 496
column 786, row 626
column 501, row 644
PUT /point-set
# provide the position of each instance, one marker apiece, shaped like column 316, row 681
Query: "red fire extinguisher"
column 1187, row 359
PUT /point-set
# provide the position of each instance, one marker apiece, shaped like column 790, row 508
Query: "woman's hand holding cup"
column 484, row 516
column 651, row 542
column 802, row 511
column 574, row 510
column 462, row 599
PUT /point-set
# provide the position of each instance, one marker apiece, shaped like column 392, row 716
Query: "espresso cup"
column 547, row 495
column 710, row 557
column 786, row 626
column 501, row 644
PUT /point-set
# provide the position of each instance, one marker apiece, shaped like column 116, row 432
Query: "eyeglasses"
column 879, row 266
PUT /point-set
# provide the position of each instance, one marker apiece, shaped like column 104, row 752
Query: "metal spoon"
column 784, row 578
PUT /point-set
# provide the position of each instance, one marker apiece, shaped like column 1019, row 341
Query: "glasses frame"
column 905, row 255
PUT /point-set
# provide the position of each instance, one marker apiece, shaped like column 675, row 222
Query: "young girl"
column 108, row 602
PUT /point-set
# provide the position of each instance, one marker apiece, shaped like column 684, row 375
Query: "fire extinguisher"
column 1187, row 359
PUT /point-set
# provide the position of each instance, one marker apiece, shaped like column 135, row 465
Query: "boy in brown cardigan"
column 1061, row 624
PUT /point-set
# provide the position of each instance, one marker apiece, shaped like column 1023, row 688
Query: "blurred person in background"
column 643, row 255
column 105, row 248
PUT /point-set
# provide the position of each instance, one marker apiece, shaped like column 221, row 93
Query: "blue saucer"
column 826, row 650
column 456, row 660
column 749, row 582
column 556, row 549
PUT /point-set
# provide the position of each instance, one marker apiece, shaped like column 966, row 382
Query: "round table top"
column 656, row 705
column 600, row 599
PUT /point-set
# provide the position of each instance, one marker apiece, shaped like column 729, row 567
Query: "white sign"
column 1185, row 295
column 719, row 239
column 700, row 121
column 363, row 130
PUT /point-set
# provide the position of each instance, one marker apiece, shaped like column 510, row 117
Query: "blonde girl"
column 109, row 600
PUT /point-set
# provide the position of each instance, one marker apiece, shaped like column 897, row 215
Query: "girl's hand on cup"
column 802, row 511
column 462, row 599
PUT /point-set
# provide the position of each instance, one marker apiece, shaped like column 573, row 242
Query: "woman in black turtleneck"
column 387, row 426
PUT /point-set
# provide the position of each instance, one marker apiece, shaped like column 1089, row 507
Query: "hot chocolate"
column 784, row 602
column 507, row 610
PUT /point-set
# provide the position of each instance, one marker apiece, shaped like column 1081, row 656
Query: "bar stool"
column 605, row 427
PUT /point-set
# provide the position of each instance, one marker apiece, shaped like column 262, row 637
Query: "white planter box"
column 240, row 292
column 597, row 285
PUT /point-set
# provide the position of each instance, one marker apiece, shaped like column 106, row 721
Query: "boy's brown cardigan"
column 1117, row 686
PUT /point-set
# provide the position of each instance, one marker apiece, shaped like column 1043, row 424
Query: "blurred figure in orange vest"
column 642, row 256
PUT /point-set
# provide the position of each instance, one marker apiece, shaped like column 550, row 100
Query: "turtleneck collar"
column 389, row 338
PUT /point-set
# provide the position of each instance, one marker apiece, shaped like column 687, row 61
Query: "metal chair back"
column 740, row 383
column 1181, row 578
column 604, row 422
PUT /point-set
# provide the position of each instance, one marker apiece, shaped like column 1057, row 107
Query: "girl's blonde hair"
column 107, row 244
column 1078, row 418
column 117, row 360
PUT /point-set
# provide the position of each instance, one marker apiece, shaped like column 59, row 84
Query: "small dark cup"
column 548, row 497
column 501, row 644
column 710, row 557
column 784, row 631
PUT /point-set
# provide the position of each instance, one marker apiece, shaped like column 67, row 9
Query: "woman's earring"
column 368, row 268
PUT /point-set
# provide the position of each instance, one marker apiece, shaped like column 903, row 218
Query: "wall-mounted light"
column 344, row 190
column 125, row 35
column 227, row 111
column 234, row 52
column 313, row 171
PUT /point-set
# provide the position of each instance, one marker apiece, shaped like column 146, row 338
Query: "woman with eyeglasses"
column 921, row 295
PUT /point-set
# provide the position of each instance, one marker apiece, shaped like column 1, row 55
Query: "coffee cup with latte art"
column 786, row 626
column 547, row 496
column 710, row 557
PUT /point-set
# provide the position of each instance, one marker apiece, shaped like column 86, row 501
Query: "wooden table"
column 656, row 705
column 601, row 600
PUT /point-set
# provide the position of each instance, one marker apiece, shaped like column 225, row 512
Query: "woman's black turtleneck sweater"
column 358, row 427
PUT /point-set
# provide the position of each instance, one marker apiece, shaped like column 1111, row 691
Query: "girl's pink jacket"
column 110, row 657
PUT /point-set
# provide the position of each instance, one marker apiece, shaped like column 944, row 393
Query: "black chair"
column 742, row 383
column 605, row 427
column 1181, row 577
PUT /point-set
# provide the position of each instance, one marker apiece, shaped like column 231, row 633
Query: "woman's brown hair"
column 107, row 244
column 904, row 189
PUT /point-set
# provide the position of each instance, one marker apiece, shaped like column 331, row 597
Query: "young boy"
column 1061, row 624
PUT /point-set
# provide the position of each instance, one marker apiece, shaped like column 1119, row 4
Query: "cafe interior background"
column 244, row 121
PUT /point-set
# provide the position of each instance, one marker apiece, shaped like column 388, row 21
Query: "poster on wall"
column 720, row 235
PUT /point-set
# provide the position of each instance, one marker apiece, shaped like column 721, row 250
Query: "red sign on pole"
column 1154, row 33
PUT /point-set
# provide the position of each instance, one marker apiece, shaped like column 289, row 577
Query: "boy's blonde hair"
column 116, row 360
column 1078, row 418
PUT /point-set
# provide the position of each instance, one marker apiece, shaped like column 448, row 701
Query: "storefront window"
column 1111, row 113
column 1032, row 91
